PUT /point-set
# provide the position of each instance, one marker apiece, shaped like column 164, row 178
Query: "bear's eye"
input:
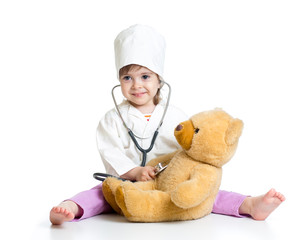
column 196, row 130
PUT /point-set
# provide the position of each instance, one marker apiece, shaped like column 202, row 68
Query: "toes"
column 281, row 197
column 272, row 192
column 55, row 209
column 278, row 195
column 65, row 212
column 60, row 210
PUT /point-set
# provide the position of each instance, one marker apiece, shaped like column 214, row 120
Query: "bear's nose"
column 179, row 127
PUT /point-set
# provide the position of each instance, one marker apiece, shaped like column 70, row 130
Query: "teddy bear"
column 187, row 188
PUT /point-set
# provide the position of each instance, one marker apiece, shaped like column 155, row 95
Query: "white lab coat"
column 117, row 150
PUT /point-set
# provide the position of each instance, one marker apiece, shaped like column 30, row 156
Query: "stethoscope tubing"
column 142, row 150
column 102, row 176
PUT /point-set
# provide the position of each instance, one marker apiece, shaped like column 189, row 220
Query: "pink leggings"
column 92, row 202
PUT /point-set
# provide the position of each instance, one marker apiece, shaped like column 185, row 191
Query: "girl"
column 139, row 56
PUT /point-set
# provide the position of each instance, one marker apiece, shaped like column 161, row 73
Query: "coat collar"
column 144, row 128
column 126, row 107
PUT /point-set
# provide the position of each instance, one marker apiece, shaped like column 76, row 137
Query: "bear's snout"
column 184, row 133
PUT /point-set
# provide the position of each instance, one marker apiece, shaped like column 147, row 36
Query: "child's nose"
column 137, row 83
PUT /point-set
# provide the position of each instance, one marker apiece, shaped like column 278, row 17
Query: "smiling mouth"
column 138, row 94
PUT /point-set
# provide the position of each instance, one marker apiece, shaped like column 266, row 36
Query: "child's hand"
column 140, row 174
column 145, row 173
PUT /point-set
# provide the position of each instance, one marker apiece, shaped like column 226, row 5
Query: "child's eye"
column 145, row 77
column 126, row 78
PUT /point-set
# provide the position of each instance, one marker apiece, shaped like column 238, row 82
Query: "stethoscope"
column 159, row 167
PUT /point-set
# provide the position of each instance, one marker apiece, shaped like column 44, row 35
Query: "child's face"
column 139, row 86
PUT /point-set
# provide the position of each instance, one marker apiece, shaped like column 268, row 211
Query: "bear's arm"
column 204, row 180
column 164, row 159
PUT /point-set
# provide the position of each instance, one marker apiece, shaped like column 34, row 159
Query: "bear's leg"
column 109, row 188
column 148, row 185
column 144, row 206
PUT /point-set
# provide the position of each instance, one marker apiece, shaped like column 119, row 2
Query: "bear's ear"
column 234, row 131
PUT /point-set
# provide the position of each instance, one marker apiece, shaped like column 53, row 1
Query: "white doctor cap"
column 140, row 45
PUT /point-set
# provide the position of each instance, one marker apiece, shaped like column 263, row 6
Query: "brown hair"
column 126, row 69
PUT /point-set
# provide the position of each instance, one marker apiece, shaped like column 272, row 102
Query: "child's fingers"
column 146, row 174
column 152, row 173
column 145, row 178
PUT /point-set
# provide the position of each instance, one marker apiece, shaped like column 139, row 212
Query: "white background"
column 57, row 71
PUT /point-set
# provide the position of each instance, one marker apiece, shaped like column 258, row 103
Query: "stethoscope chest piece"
column 159, row 168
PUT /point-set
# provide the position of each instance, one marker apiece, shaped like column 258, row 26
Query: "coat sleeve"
column 111, row 147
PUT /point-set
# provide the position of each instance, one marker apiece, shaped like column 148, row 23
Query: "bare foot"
column 261, row 207
column 64, row 212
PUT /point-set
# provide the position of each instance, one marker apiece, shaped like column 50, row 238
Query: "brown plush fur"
column 187, row 188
